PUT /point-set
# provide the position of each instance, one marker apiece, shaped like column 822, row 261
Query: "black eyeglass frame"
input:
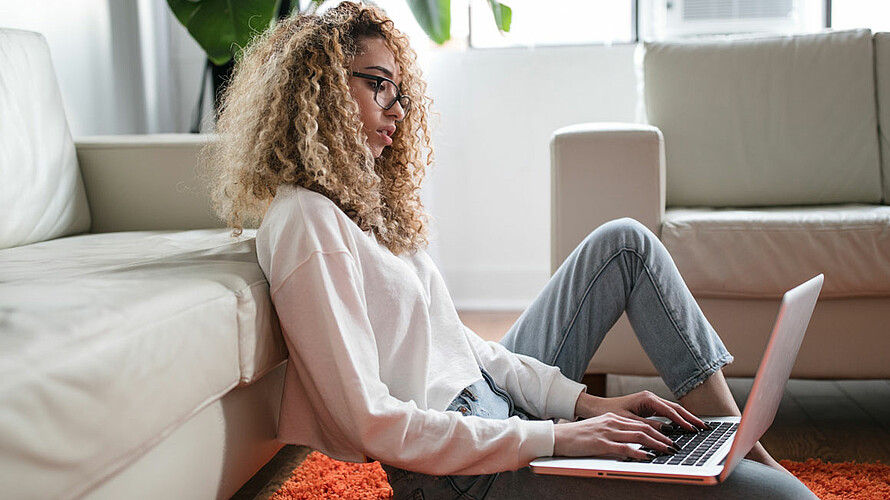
column 405, row 104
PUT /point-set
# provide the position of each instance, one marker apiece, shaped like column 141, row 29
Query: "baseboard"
column 495, row 289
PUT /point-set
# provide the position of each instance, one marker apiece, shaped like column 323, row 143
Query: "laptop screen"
column 775, row 368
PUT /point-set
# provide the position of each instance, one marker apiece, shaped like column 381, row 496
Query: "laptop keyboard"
column 695, row 447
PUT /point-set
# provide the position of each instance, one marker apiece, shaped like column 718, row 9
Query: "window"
column 574, row 22
column 672, row 19
column 547, row 22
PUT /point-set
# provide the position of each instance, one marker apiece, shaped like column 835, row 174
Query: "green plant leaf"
column 223, row 27
column 313, row 6
column 434, row 16
column 503, row 15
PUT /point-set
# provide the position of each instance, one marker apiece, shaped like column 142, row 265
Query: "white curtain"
column 124, row 67
column 157, row 68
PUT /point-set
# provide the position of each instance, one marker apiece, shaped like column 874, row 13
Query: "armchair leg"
column 596, row 383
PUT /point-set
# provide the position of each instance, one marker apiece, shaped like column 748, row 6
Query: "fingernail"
column 676, row 444
column 672, row 450
column 650, row 455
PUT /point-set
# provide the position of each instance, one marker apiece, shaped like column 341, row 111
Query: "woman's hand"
column 609, row 434
column 637, row 407
column 613, row 425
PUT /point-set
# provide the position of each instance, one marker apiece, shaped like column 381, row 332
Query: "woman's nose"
column 397, row 111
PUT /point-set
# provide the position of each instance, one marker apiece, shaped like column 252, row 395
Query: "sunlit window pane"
column 564, row 22
column 677, row 19
column 874, row 14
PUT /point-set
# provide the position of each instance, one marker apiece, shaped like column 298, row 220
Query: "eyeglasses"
column 386, row 92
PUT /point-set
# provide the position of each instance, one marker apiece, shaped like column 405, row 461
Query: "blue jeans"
column 621, row 266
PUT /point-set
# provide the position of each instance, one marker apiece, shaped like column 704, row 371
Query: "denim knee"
column 619, row 234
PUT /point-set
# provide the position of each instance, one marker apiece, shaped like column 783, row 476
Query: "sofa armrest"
column 145, row 182
column 600, row 172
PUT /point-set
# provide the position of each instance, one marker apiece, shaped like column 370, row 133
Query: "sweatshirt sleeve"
column 323, row 315
column 535, row 386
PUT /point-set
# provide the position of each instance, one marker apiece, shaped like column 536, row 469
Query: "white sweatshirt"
column 377, row 352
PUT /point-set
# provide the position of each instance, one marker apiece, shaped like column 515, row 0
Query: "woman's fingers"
column 657, row 425
column 611, row 433
column 630, row 451
column 635, row 445
column 651, row 404
column 686, row 415
column 648, row 436
column 621, row 430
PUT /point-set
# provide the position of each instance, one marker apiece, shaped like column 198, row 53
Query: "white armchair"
column 760, row 167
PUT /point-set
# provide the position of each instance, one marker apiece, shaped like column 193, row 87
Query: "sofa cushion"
column 761, row 253
column 882, row 79
column 108, row 342
column 207, row 254
column 42, row 195
column 766, row 121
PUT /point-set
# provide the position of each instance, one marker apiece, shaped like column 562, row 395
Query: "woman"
column 325, row 140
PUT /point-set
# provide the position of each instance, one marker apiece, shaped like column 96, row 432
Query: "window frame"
column 635, row 29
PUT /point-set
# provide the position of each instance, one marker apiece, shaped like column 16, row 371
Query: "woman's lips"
column 387, row 140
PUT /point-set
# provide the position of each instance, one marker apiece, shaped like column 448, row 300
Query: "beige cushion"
column 208, row 255
column 766, row 121
column 882, row 74
column 108, row 342
column 146, row 182
column 761, row 253
column 41, row 195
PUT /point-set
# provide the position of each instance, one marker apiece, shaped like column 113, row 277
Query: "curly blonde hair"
column 288, row 117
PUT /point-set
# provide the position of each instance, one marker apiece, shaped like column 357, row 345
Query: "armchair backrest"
column 766, row 121
column 41, row 190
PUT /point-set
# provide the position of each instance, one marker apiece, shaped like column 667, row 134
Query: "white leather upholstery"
column 51, row 269
column 882, row 79
column 137, row 182
column 761, row 253
column 766, row 121
column 111, row 341
column 41, row 193
column 212, row 454
column 603, row 171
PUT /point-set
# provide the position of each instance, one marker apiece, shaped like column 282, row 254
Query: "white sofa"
column 764, row 161
column 140, row 355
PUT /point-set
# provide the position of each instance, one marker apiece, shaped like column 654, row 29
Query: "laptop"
column 709, row 457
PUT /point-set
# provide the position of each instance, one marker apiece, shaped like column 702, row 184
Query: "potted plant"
column 223, row 27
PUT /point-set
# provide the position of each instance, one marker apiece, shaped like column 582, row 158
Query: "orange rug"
column 844, row 480
column 322, row 477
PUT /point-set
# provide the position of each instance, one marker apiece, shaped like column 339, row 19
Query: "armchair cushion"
column 42, row 195
column 799, row 128
column 760, row 253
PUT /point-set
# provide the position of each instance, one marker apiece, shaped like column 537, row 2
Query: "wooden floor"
column 832, row 420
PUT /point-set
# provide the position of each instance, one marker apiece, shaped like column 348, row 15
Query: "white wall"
column 490, row 188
